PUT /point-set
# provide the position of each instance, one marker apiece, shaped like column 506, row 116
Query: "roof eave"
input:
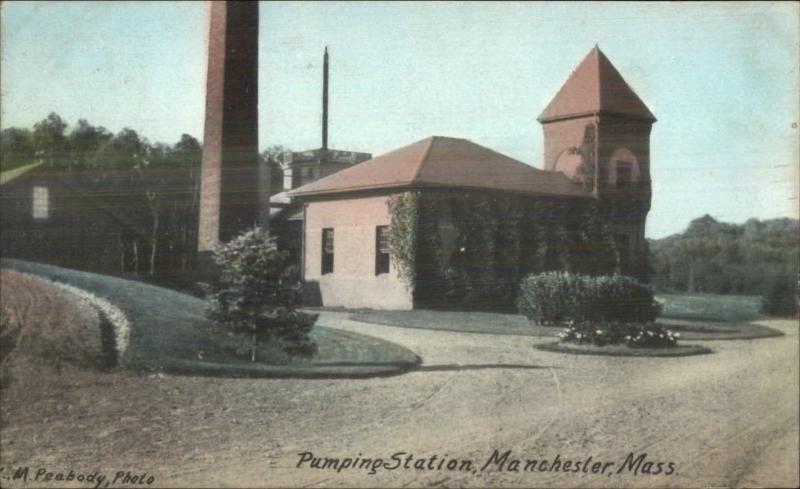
column 422, row 185
column 8, row 176
column 577, row 115
column 363, row 188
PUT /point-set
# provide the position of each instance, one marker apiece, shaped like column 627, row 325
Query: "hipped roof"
column 444, row 162
column 595, row 87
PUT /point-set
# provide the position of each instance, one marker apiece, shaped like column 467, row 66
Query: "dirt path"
column 725, row 419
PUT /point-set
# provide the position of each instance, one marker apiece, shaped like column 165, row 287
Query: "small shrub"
column 632, row 335
column 558, row 298
column 254, row 298
column 781, row 298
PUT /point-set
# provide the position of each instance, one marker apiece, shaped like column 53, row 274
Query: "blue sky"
column 722, row 79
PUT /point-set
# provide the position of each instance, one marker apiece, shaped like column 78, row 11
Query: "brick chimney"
column 232, row 192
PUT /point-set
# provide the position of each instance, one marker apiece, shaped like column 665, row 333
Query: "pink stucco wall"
column 353, row 282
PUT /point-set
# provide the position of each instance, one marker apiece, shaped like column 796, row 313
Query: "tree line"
column 717, row 257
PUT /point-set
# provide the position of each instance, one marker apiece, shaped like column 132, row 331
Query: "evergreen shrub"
column 254, row 298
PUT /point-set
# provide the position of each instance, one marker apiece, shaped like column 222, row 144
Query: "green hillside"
column 754, row 258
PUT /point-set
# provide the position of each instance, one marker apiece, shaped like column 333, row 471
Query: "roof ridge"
column 14, row 173
column 599, row 55
column 455, row 163
column 422, row 159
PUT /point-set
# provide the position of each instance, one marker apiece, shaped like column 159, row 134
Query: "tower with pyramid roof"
column 597, row 132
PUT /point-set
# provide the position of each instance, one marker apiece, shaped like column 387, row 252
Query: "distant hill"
column 723, row 258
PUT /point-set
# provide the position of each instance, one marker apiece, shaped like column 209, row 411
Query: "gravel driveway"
column 724, row 419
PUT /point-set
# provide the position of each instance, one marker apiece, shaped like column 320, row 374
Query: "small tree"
column 256, row 293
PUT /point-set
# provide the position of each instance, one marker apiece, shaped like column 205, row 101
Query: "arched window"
column 624, row 175
column 570, row 163
column 626, row 169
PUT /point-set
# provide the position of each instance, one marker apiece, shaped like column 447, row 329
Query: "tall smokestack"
column 325, row 99
column 230, row 196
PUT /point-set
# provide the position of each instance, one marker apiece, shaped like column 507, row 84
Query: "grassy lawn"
column 169, row 330
column 713, row 317
column 704, row 330
column 696, row 317
column 710, row 307
column 463, row 322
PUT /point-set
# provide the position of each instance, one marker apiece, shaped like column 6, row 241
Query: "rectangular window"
column 327, row 250
column 624, row 175
column 41, row 203
column 381, row 250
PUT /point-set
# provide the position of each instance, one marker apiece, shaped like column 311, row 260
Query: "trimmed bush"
column 548, row 298
column 559, row 298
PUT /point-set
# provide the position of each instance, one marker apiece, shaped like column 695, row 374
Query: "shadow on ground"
column 489, row 366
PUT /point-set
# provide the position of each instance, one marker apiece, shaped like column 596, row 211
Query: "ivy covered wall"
column 462, row 250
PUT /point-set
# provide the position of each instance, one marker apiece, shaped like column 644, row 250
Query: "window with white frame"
column 41, row 203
